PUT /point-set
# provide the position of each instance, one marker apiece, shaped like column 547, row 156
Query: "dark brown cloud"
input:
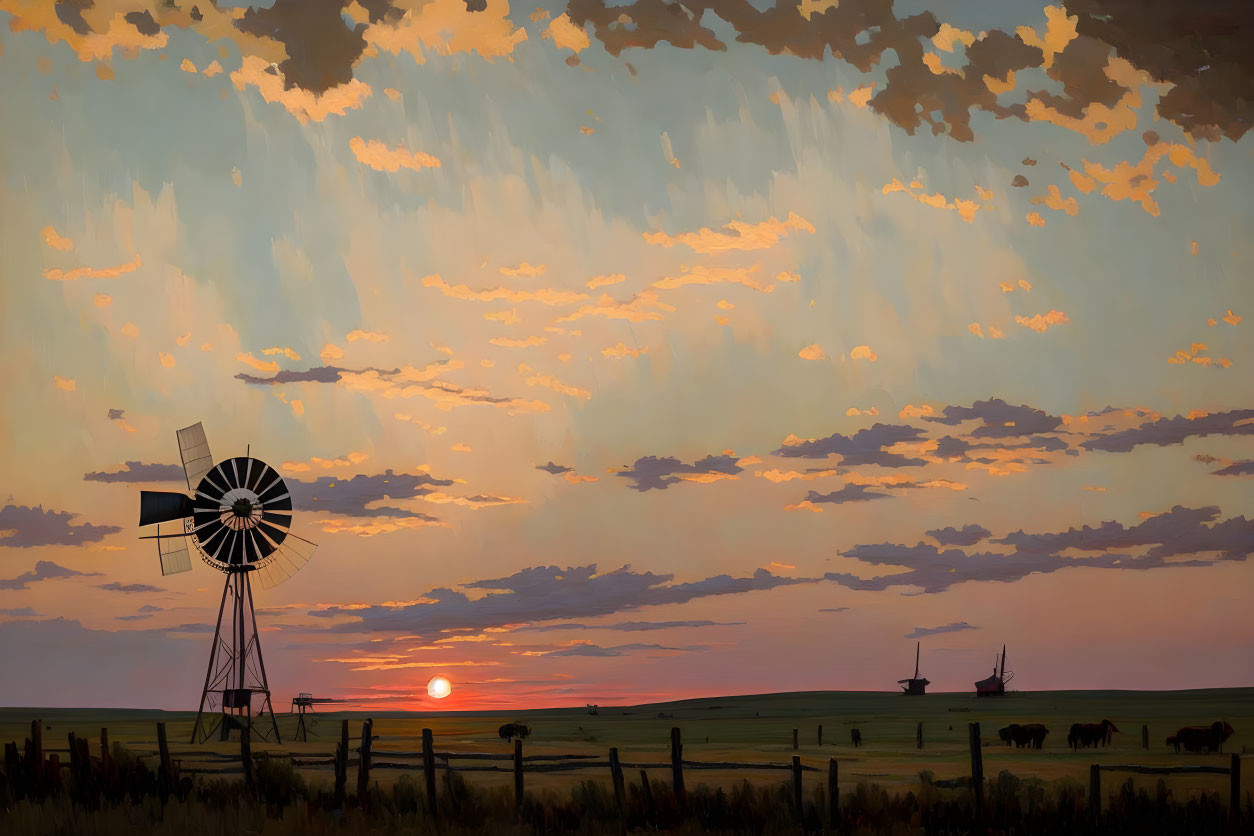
column 1201, row 48
column 321, row 47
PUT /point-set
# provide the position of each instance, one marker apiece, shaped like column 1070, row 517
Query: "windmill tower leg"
column 261, row 665
column 201, row 730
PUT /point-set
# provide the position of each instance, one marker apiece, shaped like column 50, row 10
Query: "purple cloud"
column 653, row 473
column 863, row 447
column 44, row 570
column 25, row 528
column 139, row 472
column 968, row 535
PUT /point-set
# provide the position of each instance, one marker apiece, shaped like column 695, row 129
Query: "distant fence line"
column 33, row 765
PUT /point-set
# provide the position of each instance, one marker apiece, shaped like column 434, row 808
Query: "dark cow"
column 1030, row 735
column 856, row 737
column 1091, row 734
column 509, row 731
column 1202, row 738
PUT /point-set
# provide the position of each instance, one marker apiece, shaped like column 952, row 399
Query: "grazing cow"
column 509, row 731
column 1202, row 738
column 1031, row 735
column 1091, row 734
column 856, row 736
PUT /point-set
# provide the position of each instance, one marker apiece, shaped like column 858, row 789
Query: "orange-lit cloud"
column 284, row 350
column 380, row 157
column 550, row 382
column 382, row 525
column 526, row 342
column 547, row 296
column 331, row 351
column 812, row 352
column 966, row 209
column 418, row 422
column 623, row 350
column 644, row 305
column 863, row 352
column 701, row 274
column 1041, row 323
column 1053, row 199
column 304, row 105
column 94, row 272
column 524, row 269
column 57, row 242
column 316, row 463
column 743, row 236
column 1195, row 355
column 259, row 365
column 566, row 35
column 853, row 411
column 368, row 336
column 65, row 383
column 102, row 300
column 606, row 280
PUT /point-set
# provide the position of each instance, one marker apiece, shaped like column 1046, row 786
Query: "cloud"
column 380, row 157
column 545, row 593
column 1180, row 532
column 114, row 586
column 812, row 352
column 56, row 241
column 64, row 383
column 259, row 365
column 645, row 305
column 22, row 527
column 1195, row 355
column 1041, row 323
column 998, row 419
column 1244, row 467
column 623, row 350
column 957, row 626
column 548, row 381
column 848, row 493
column 866, row 446
column 306, row 106
column 968, row 535
column 863, row 352
column 350, row 497
column 617, row 650
column 511, row 342
column 606, row 280
column 544, row 295
column 1164, row 431
column 702, row 275
column 966, row 209
column 653, row 473
column 18, row 612
column 566, row 35
column 555, row 469
column 44, row 570
column 628, row 626
column 743, row 236
column 93, row 272
column 316, row 463
column 138, row 471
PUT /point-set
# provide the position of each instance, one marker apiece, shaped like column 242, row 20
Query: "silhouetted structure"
column 239, row 519
column 916, row 685
column 995, row 685
column 302, row 703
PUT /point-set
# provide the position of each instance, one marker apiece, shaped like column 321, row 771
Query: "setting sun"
column 439, row 687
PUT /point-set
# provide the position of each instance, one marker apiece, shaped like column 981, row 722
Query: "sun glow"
column 439, row 687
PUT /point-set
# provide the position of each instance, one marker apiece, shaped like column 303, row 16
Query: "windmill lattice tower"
column 239, row 519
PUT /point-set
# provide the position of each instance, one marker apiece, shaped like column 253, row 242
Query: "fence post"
column 363, row 763
column 918, row 736
column 651, row 810
column 105, row 757
column 166, row 769
column 75, row 766
column 616, row 776
column 341, row 764
column 518, row 776
column 1144, row 737
column 977, row 764
column 797, row 806
column 246, row 752
column 820, row 734
column 1095, row 790
column 833, row 793
column 1234, row 789
column 428, row 769
column 37, row 749
column 677, row 765
column 794, row 740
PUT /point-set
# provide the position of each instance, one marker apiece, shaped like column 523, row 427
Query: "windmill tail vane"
column 238, row 518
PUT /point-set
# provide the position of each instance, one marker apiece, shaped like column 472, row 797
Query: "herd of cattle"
column 1082, row 735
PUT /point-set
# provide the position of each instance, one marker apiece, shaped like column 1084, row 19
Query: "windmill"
column 238, row 518
column 916, row 685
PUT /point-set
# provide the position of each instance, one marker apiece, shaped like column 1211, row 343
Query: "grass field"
column 741, row 728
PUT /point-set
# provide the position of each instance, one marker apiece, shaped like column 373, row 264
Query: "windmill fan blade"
column 172, row 551
column 288, row 558
column 194, row 450
column 163, row 506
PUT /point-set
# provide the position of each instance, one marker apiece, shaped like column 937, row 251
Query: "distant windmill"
column 239, row 519
column 916, row 685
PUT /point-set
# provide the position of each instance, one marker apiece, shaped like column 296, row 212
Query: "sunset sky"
column 617, row 352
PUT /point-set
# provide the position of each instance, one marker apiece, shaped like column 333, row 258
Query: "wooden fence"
column 169, row 770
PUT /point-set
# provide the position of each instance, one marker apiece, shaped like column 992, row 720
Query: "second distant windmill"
column 916, row 685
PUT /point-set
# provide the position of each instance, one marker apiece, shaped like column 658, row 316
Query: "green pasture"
column 756, row 729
